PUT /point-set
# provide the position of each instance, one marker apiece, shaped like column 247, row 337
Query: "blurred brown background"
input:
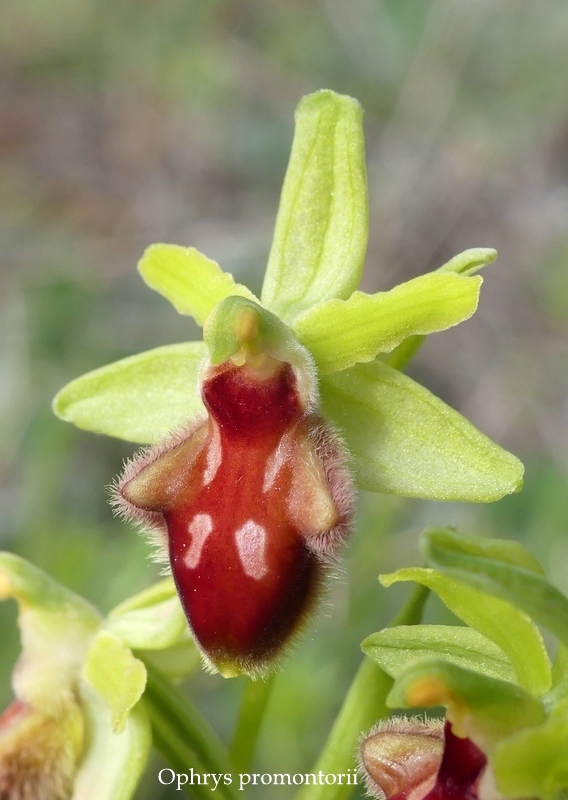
column 129, row 122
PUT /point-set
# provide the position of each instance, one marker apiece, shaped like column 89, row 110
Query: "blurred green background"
column 130, row 122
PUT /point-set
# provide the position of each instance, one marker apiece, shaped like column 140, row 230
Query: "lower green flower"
column 66, row 735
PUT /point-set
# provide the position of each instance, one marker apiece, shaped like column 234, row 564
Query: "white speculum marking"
column 200, row 527
column 251, row 546
column 275, row 462
column 214, row 457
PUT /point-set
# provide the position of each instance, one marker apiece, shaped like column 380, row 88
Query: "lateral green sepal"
column 416, row 446
column 141, row 398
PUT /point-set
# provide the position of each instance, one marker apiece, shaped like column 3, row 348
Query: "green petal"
column 341, row 333
column 189, row 280
column 467, row 263
column 114, row 762
column 152, row 620
column 440, row 541
column 394, row 648
column 321, row 228
column 510, row 629
column 483, row 708
column 118, row 677
column 141, row 398
column 518, row 585
column 534, row 762
column 406, row 441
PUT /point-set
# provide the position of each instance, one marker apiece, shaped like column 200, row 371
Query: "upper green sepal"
column 320, row 237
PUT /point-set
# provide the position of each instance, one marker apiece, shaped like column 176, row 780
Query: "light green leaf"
column 533, row 762
column 510, row 629
column 189, row 280
column 341, row 333
column 519, row 586
column 152, row 620
column 407, row 441
column 114, row 762
column 393, row 648
column 470, row 261
column 119, row 677
column 141, row 398
column 321, row 228
column 483, row 708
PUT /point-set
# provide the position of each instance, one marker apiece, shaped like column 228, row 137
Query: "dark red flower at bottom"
column 407, row 759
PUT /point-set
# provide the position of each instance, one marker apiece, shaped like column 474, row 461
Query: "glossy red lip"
column 254, row 500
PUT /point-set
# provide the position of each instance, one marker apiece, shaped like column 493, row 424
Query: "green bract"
column 495, row 678
column 403, row 439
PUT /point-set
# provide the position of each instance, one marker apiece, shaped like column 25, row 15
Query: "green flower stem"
column 255, row 698
column 183, row 737
column 362, row 707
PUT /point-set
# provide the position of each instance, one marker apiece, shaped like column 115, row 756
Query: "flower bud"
column 254, row 499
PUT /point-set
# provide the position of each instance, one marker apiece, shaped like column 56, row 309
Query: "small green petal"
column 341, row 333
column 510, row 629
column 152, row 620
column 406, row 441
column 189, row 280
column 533, row 762
column 114, row 762
column 119, row 677
column 141, row 398
column 393, row 648
column 470, row 261
column 483, row 708
column 321, row 228
column 520, row 586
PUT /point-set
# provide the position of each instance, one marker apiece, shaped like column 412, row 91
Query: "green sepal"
column 151, row 620
column 238, row 324
column 470, row 261
column 113, row 763
column 193, row 283
column 483, row 708
column 490, row 574
column 437, row 541
column 117, row 675
column 393, row 648
column 320, row 237
column 508, row 627
column 417, row 445
column 533, row 762
column 341, row 333
column 141, row 398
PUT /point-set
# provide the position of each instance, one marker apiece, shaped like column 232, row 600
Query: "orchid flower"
column 259, row 433
column 506, row 728
column 77, row 729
